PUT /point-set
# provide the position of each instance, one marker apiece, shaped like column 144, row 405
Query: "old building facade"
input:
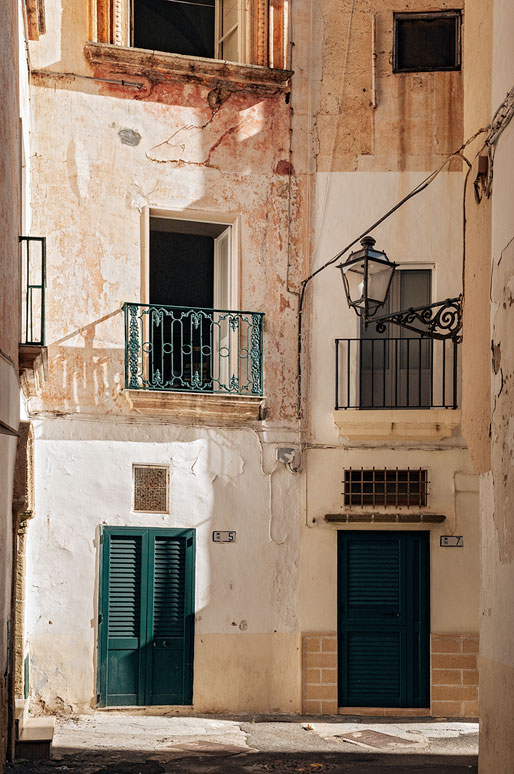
column 198, row 540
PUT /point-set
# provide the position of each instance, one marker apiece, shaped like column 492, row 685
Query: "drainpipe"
column 373, row 61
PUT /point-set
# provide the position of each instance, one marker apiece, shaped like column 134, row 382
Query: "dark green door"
column 383, row 616
column 146, row 621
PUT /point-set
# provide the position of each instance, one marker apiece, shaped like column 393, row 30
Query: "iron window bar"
column 396, row 373
column 385, row 487
column 33, row 272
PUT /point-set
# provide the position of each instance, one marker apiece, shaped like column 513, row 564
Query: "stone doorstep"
column 35, row 741
column 21, row 715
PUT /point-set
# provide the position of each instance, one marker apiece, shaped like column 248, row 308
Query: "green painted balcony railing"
column 174, row 348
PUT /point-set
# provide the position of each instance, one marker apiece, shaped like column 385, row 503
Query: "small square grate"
column 151, row 489
column 384, row 487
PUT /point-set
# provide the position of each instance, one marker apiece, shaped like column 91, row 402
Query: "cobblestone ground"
column 119, row 743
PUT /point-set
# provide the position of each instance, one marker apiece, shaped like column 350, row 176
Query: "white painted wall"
column 84, row 480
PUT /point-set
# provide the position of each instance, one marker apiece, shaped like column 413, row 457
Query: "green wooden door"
column 383, row 612
column 146, row 620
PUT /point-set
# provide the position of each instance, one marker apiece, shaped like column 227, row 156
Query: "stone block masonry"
column 320, row 674
column 454, row 675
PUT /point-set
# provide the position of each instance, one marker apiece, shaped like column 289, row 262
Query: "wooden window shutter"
column 268, row 33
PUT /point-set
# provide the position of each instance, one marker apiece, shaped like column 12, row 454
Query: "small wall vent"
column 151, row 484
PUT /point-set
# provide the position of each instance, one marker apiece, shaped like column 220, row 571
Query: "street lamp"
column 367, row 276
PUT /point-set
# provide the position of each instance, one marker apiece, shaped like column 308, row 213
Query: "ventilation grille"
column 150, row 489
column 385, row 487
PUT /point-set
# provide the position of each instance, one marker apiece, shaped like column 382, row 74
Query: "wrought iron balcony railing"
column 396, row 373
column 33, row 273
column 173, row 348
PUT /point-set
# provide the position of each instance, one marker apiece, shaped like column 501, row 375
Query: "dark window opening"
column 426, row 41
column 175, row 26
column 385, row 487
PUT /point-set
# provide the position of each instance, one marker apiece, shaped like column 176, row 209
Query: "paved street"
column 122, row 743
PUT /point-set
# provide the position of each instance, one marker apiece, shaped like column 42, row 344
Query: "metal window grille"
column 385, row 487
column 151, row 485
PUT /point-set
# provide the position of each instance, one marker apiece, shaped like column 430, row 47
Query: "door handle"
column 391, row 615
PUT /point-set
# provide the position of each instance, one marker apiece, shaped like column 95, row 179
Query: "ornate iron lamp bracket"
column 442, row 320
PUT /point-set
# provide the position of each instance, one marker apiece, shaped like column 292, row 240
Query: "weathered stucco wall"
column 488, row 369
column 246, row 633
column 476, row 346
column 497, row 680
column 11, row 69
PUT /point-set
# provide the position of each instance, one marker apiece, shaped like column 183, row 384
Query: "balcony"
column 205, row 362
column 33, row 278
column 401, row 387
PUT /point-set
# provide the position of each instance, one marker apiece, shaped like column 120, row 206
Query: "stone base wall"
column 454, row 678
column 454, row 675
column 319, row 667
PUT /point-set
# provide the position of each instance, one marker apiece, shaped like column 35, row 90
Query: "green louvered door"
column 146, row 619
column 383, row 619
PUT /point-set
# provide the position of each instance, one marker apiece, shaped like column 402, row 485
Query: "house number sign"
column 452, row 541
column 226, row 536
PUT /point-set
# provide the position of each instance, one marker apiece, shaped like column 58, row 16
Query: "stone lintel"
column 162, row 66
column 384, row 518
column 396, row 424
column 202, row 407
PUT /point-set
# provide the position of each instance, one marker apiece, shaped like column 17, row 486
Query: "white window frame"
column 232, row 223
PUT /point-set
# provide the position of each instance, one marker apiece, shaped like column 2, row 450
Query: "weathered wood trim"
column 384, row 518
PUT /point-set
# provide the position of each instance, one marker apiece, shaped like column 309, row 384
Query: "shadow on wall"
column 86, row 368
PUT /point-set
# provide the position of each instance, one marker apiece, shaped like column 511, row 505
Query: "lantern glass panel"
column 379, row 277
column 354, row 276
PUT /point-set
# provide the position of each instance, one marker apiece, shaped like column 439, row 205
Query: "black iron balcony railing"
column 396, row 373
column 175, row 348
column 33, row 274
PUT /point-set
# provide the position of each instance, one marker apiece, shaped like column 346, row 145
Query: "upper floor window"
column 426, row 41
column 208, row 28
column 241, row 31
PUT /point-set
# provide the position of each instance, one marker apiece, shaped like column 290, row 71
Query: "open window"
column 241, row 31
column 192, row 290
column 396, row 365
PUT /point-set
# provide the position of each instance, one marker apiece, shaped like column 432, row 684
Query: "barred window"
column 385, row 487
column 151, row 484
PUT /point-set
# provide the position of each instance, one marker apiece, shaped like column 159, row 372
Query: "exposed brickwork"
column 454, row 675
column 320, row 674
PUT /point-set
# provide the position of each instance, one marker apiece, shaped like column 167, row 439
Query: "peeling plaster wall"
column 497, row 679
column 246, row 593
column 113, row 154
column 12, row 80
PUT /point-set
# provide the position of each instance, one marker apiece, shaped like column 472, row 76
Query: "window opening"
column 206, row 28
column 396, row 366
column 426, row 41
column 385, row 487
column 189, row 269
column 151, row 484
